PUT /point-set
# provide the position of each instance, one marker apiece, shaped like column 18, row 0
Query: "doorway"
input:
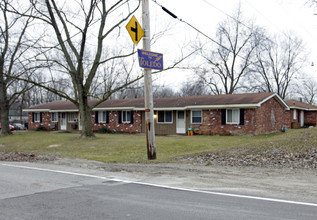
column 63, row 121
column 180, row 122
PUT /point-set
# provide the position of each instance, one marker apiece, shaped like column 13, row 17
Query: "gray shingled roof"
column 292, row 103
column 173, row 102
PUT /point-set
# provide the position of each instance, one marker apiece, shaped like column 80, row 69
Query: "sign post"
column 148, row 91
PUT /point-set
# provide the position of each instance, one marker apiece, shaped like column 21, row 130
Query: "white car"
column 18, row 126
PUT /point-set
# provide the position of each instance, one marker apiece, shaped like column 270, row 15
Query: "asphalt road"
column 28, row 192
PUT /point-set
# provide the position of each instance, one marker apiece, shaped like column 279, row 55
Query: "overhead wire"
column 190, row 25
column 205, row 35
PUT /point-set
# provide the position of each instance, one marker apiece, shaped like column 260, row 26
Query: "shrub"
column 104, row 130
column 40, row 128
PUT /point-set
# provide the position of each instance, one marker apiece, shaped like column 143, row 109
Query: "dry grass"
column 132, row 148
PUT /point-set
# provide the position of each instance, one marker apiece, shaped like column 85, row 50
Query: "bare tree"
column 278, row 63
column 15, row 45
column 308, row 91
column 79, row 48
column 229, row 61
column 163, row 92
column 193, row 88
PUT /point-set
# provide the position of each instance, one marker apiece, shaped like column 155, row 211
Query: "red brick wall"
column 212, row 123
column 113, row 124
column 310, row 118
column 46, row 121
column 271, row 117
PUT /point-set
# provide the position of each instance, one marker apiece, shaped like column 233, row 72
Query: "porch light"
column 155, row 116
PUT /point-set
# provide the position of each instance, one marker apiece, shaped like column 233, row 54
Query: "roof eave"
column 36, row 110
column 222, row 106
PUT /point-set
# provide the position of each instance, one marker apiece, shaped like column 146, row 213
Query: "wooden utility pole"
column 148, row 91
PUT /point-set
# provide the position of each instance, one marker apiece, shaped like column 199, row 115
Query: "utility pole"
column 148, row 91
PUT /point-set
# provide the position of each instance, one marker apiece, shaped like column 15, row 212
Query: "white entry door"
column 180, row 122
column 63, row 121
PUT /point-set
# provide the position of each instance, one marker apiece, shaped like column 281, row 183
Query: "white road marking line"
column 166, row 187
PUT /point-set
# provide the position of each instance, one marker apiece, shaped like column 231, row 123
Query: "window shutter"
column 40, row 117
column 223, row 116
column 32, row 116
column 131, row 117
column 107, row 117
column 96, row 117
column 120, row 117
column 241, row 116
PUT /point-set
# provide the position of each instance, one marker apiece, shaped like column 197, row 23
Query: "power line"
column 196, row 29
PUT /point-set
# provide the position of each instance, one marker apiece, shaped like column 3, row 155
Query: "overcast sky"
column 275, row 15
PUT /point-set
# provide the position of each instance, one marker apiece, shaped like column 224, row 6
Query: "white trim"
column 222, row 106
column 115, row 109
column 127, row 121
column 63, row 110
column 52, row 116
column 36, row 110
column 191, row 116
column 100, row 116
column 279, row 99
column 38, row 117
column 302, row 108
column 236, row 122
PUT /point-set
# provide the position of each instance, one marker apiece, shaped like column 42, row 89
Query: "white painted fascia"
column 114, row 109
column 279, row 99
column 35, row 110
column 163, row 109
column 222, row 106
column 303, row 109
column 65, row 110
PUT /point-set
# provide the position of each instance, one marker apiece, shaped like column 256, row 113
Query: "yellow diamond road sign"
column 135, row 30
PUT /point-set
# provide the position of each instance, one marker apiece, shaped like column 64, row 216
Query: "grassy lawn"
column 132, row 148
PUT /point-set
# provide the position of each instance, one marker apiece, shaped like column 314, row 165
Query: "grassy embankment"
column 132, row 148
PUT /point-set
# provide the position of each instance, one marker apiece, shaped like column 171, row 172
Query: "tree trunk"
column 85, row 117
column 4, row 108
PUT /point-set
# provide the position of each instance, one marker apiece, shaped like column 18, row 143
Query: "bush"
column 40, row 128
column 104, row 130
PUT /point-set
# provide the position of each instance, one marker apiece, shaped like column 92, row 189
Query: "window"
column 233, row 116
column 165, row 117
column 126, row 116
column 71, row 116
column 294, row 114
column 54, row 117
column 102, row 116
column 196, row 116
column 37, row 117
